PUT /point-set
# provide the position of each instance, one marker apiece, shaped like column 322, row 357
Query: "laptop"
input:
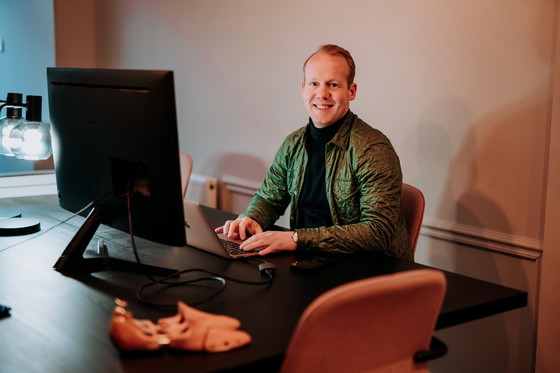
column 201, row 234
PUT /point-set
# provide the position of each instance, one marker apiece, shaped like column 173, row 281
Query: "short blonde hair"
column 335, row 50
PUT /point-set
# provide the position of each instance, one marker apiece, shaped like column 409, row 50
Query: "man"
column 341, row 176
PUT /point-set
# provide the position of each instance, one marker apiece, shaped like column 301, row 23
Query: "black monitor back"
column 116, row 131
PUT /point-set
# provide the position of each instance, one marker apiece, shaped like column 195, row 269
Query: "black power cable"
column 266, row 269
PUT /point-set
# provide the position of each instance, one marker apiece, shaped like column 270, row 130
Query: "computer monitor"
column 115, row 135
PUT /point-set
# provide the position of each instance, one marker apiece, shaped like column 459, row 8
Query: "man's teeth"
column 322, row 106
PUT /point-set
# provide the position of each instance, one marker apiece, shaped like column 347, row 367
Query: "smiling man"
column 341, row 177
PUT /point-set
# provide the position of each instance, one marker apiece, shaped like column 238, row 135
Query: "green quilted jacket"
column 363, row 184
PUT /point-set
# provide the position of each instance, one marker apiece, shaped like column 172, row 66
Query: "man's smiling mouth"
column 323, row 107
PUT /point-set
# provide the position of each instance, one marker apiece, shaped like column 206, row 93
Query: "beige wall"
column 75, row 33
column 462, row 88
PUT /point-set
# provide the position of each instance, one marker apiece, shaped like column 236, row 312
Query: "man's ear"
column 352, row 90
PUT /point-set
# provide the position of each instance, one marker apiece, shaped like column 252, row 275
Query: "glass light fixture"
column 26, row 139
column 30, row 138
column 14, row 104
column 7, row 124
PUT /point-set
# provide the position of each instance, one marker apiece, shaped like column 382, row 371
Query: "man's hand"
column 240, row 228
column 249, row 231
column 270, row 242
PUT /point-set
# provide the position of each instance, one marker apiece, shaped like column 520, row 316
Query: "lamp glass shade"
column 7, row 124
column 31, row 140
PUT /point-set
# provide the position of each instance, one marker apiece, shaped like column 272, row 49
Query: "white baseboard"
column 509, row 244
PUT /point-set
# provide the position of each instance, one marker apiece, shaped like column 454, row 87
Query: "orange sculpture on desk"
column 190, row 329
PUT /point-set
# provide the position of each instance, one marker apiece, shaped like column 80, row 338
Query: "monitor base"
column 73, row 261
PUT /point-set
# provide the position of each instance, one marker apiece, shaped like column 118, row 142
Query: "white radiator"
column 203, row 189
column 236, row 193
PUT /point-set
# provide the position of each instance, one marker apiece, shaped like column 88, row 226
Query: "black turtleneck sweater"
column 313, row 204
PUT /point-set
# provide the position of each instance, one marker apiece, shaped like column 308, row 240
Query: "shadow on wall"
column 488, row 344
column 509, row 162
column 493, row 180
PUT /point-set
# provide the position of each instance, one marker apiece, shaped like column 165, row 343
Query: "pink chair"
column 185, row 162
column 412, row 204
column 380, row 324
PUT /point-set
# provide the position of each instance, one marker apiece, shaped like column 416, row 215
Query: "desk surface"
column 60, row 323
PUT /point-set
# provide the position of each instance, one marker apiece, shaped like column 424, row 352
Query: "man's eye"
column 313, row 84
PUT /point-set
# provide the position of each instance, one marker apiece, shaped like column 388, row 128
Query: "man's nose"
column 323, row 91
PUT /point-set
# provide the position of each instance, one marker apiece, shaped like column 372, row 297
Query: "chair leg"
column 437, row 350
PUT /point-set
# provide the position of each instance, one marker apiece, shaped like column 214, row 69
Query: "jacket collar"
column 342, row 137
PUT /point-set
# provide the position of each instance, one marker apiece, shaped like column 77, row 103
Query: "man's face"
column 325, row 90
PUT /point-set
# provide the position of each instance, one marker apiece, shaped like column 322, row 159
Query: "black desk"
column 60, row 324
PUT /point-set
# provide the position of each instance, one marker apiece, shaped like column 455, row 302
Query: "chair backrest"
column 412, row 204
column 373, row 325
column 185, row 162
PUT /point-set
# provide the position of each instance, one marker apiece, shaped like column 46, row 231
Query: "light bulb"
column 7, row 124
column 31, row 140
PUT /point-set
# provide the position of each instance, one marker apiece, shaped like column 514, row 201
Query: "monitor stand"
column 73, row 261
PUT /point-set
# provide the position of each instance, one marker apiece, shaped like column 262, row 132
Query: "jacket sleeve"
column 272, row 198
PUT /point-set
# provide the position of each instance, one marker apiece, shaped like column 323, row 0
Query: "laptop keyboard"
column 233, row 248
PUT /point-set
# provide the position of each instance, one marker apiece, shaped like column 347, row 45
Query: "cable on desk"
column 172, row 281
column 266, row 269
